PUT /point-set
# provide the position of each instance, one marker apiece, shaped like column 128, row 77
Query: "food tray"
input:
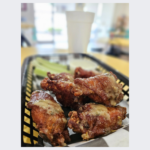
column 31, row 82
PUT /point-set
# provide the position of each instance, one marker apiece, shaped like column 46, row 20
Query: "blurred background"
column 44, row 26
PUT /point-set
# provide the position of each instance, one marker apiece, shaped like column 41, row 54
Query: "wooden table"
column 120, row 65
column 26, row 25
column 119, row 42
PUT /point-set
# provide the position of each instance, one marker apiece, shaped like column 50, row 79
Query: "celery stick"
column 41, row 69
column 52, row 66
column 42, row 72
column 35, row 63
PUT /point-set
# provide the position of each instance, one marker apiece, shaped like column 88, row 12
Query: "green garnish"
column 43, row 66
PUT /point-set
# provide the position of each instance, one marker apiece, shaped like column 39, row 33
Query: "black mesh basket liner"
column 29, row 134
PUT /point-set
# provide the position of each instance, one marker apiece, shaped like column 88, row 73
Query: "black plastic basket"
column 29, row 134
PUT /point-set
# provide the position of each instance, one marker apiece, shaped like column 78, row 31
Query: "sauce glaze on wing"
column 101, row 88
column 61, row 85
column 81, row 73
column 93, row 120
column 49, row 118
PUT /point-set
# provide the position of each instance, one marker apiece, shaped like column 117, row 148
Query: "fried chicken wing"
column 93, row 120
column 49, row 118
column 101, row 88
column 61, row 77
column 74, row 93
column 61, row 85
column 81, row 73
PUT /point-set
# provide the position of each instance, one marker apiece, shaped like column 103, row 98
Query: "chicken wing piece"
column 49, row 118
column 101, row 89
column 62, row 89
column 61, row 85
column 92, row 120
column 81, row 73
column 61, row 77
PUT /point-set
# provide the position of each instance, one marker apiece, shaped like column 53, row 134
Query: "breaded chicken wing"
column 92, row 120
column 61, row 77
column 61, row 85
column 101, row 88
column 81, row 73
column 49, row 118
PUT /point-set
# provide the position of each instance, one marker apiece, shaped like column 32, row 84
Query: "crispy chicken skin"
column 49, row 118
column 92, row 120
column 61, row 77
column 74, row 93
column 101, row 89
column 61, row 85
column 81, row 73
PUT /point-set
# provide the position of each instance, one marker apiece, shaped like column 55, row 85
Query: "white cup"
column 79, row 28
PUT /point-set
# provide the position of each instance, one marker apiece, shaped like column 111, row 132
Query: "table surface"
column 120, row 65
column 119, row 41
column 26, row 25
